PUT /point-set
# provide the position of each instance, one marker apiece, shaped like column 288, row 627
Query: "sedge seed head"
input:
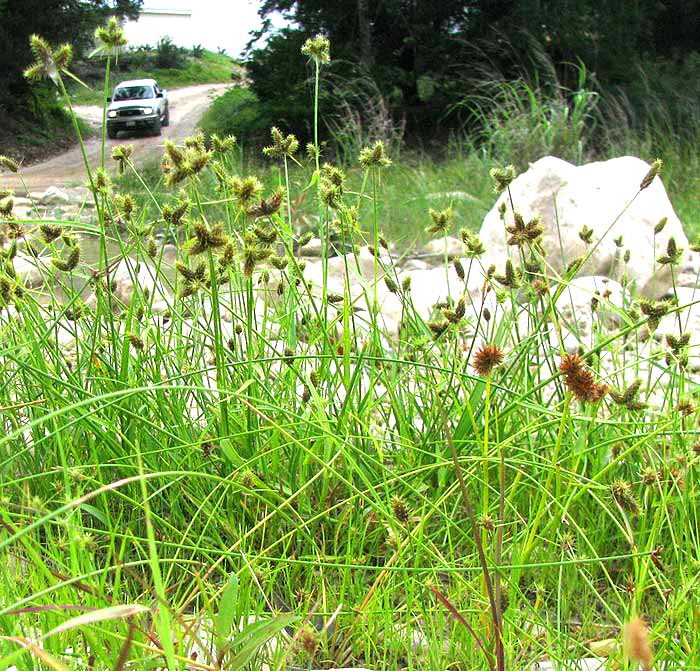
column 375, row 156
column 653, row 172
column 317, row 49
column 9, row 163
column 580, row 380
column 487, row 359
column 502, row 177
column 111, row 35
column 637, row 645
column 621, row 492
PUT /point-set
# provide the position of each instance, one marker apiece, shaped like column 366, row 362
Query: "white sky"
column 215, row 23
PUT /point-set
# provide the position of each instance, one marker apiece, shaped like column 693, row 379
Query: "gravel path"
column 67, row 170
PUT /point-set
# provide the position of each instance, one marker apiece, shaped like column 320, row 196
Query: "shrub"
column 237, row 112
column 520, row 121
column 168, row 55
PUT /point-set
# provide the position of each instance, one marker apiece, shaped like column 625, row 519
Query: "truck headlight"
column 147, row 110
column 112, row 113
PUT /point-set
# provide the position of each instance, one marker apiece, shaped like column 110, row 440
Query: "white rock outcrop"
column 130, row 274
column 604, row 196
column 52, row 196
column 591, row 300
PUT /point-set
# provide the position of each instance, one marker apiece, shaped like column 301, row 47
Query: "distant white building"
column 155, row 23
column 215, row 24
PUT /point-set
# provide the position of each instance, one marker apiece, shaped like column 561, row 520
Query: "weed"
column 233, row 460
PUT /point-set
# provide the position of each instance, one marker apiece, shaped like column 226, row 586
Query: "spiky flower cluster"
column 673, row 253
column 653, row 172
column 318, row 49
column 628, row 397
column 281, row 146
column 256, row 248
column 72, row 259
column 440, row 221
column 473, row 247
column 621, row 492
column 586, row 235
column 121, row 153
column 511, row 278
column 125, row 205
column 222, row 146
column 678, row 346
column 523, row 234
column 266, row 207
column 194, row 279
column 175, row 215
column 11, row 291
column 456, row 315
column 487, row 359
column 179, row 163
column 206, row 238
column 9, row 163
column 332, row 186
column 49, row 232
column 6, row 205
column 654, row 312
column 101, row 182
column 246, row 190
column 502, row 177
column 111, row 35
column 579, row 380
column 47, row 63
column 374, row 157
column 459, row 269
column 438, row 328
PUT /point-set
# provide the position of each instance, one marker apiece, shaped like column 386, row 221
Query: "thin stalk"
column 495, row 613
column 534, row 527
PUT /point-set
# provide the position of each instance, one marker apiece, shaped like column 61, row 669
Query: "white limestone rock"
column 29, row 269
column 52, row 196
column 436, row 248
column 688, row 273
column 357, row 269
column 130, row 274
column 605, row 197
column 591, row 300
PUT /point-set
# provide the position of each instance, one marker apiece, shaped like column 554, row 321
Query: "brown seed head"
column 653, row 172
column 580, row 380
column 487, row 358
column 637, row 646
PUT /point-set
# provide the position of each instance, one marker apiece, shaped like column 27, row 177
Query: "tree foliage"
column 423, row 54
column 57, row 21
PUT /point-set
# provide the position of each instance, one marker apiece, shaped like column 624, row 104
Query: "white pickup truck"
column 139, row 103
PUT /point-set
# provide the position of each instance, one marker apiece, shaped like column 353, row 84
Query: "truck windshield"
column 133, row 93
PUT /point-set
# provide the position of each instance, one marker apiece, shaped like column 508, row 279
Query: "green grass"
column 232, row 442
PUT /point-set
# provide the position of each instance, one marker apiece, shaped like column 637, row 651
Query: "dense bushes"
column 237, row 112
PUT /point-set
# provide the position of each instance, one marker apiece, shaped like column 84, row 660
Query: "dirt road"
column 68, row 170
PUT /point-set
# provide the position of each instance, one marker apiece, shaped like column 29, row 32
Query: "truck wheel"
column 166, row 120
column 156, row 126
column 111, row 132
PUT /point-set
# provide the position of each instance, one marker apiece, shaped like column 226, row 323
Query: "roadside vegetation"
column 228, row 455
column 43, row 127
column 171, row 66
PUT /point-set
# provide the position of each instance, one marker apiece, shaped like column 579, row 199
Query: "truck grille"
column 129, row 112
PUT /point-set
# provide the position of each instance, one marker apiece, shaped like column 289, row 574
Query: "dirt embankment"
column 67, row 170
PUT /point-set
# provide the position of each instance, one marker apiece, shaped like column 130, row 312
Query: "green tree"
column 423, row 54
column 57, row 21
